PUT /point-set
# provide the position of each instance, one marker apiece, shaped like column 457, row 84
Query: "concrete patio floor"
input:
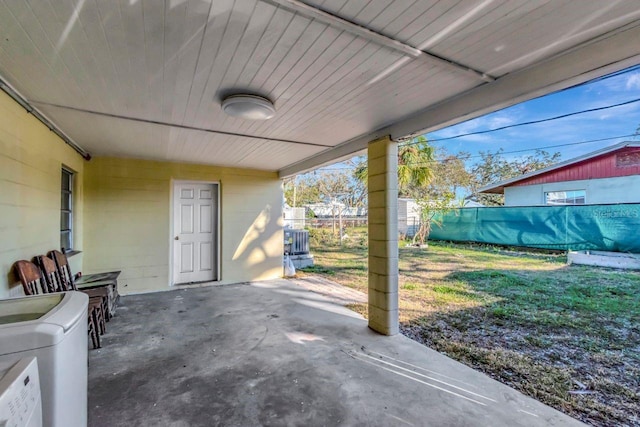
column 273, row 353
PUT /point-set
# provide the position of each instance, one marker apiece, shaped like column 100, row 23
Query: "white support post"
column 383, row 235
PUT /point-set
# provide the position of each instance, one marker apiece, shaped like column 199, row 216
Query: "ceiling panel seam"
column 220, row 42
column 318, row 48
column 341, row 90
column 175, row 125
column 389, row 42
column 198, row 56
column 256, row 21
column 354, row 96
column 330, row 85
column 36, row 46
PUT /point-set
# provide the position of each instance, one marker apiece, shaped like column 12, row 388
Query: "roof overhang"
column 145, row 81
column 597, row 58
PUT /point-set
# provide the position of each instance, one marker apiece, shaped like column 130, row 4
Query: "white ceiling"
column 144, row 78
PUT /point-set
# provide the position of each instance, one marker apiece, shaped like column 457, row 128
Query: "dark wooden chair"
column 104, row 288
column 34, row 281
column 55, row 283
column 65, row 279
column 30, row 277
column 99, row 314
column 62, row 265
column 50, row 274
column 93, row 333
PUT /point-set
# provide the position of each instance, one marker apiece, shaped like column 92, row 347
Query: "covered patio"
column 132, row 94
column 273, row 353
column 125, row 97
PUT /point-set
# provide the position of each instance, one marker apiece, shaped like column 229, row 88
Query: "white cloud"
column 497, row 122
column 616, row 84
column 633, row 82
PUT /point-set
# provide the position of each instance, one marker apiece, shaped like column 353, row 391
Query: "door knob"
column 176, row 238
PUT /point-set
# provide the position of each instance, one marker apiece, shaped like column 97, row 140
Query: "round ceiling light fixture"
column 250, row 107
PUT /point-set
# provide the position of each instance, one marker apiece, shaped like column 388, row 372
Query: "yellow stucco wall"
column 31, row 158
column 122, row 210
column 128, row 221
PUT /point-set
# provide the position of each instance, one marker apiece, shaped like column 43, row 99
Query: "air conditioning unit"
column 296, row 242
column 296, row 245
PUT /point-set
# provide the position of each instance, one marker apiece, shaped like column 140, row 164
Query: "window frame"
column 66, row 172
column 580, row 194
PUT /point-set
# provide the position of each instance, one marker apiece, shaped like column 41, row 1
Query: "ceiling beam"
column 341, row 152
column 335, row 21
column 175, row 125
column 612, row 52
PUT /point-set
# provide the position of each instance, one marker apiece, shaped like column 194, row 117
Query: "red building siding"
column 624, row 162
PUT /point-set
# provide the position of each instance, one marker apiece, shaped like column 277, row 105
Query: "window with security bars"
column 66, row 211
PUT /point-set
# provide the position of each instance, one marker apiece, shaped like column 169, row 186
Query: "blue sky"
column 616, row 121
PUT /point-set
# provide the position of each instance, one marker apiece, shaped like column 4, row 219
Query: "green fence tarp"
column 588, row 227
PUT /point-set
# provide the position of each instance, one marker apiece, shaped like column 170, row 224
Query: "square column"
column 383, row 235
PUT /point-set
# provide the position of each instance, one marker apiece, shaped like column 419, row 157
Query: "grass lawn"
column 568, row 336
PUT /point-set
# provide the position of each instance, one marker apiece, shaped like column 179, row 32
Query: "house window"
column 572, row 197
column 66, row 211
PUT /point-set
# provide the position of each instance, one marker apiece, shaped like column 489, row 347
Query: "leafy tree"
column 301, row 190
column 429, row 208
column 415, row 166
column 493, row 168
column 541, row 159
column 450, row 176
column 323, row 186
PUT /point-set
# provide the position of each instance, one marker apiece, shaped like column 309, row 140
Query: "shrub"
column 322, row 237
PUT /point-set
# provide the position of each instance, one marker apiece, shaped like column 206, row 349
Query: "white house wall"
column 598, row 191
column 408, row 215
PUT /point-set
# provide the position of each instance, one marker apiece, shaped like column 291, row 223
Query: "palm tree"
column 415, row 169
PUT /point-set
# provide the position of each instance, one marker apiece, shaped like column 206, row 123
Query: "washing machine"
column 52, row 328
column 20, row 399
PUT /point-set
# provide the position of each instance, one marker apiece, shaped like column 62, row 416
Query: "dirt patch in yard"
column 568, row 336
column 594, row 384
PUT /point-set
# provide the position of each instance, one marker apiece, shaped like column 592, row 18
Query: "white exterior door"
column 195, row 227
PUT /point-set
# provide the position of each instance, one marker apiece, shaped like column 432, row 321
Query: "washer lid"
column 19, row 310
column 47, row 329
column 71, row 310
